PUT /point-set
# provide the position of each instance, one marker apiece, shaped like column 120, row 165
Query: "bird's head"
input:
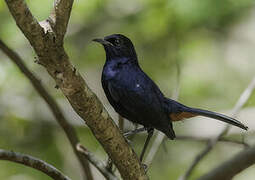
column 117, row 46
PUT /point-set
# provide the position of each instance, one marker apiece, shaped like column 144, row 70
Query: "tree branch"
column 53, row 106
column 109, row 165
column 121, row 123
column 238, row 106
column 228, row 169
column 97, row 163
column 32, row 162
column 26, row 22
column 202, row 139
column 86, row 104
column 60, row 16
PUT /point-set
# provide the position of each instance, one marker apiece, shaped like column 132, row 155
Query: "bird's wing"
column 134, row 96
column 139, row 100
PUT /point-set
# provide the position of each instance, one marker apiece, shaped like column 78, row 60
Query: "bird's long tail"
column 179, row 112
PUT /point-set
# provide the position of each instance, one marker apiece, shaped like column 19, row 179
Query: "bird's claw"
column 145, row 167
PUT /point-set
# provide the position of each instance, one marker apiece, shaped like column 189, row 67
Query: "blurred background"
column 209, row 43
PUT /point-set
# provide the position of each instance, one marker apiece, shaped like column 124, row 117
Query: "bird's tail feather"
column 217, row 116
column 179, row 112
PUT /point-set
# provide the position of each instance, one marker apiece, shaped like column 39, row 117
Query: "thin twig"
column 97, row 163
column 53, row 106
column 33, row 162
column 202, row 139
column 238, row 106
column 154, row 148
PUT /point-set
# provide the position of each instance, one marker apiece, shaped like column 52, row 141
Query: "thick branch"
column 228, row 169
column 97, row 163
column 55, row 109
column 32, row 162
column 87, row 105
column 26, row 22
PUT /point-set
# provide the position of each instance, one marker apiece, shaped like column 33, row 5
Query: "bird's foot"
column 129, row 133
column 145, row 167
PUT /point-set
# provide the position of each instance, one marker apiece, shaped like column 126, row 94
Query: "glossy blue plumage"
column 136, row 97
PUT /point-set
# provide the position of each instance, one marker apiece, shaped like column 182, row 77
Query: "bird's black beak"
column 102, row 41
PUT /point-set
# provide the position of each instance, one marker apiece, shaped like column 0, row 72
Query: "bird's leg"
column 150, row 133
column 129, row 133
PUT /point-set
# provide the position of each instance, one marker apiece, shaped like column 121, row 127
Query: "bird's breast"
column 110, row 72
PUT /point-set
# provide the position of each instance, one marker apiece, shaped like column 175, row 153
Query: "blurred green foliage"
column 197, row 35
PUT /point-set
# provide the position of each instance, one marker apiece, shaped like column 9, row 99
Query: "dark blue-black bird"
column 137, row 98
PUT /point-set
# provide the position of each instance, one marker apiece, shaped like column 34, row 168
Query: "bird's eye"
column 114, row 41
